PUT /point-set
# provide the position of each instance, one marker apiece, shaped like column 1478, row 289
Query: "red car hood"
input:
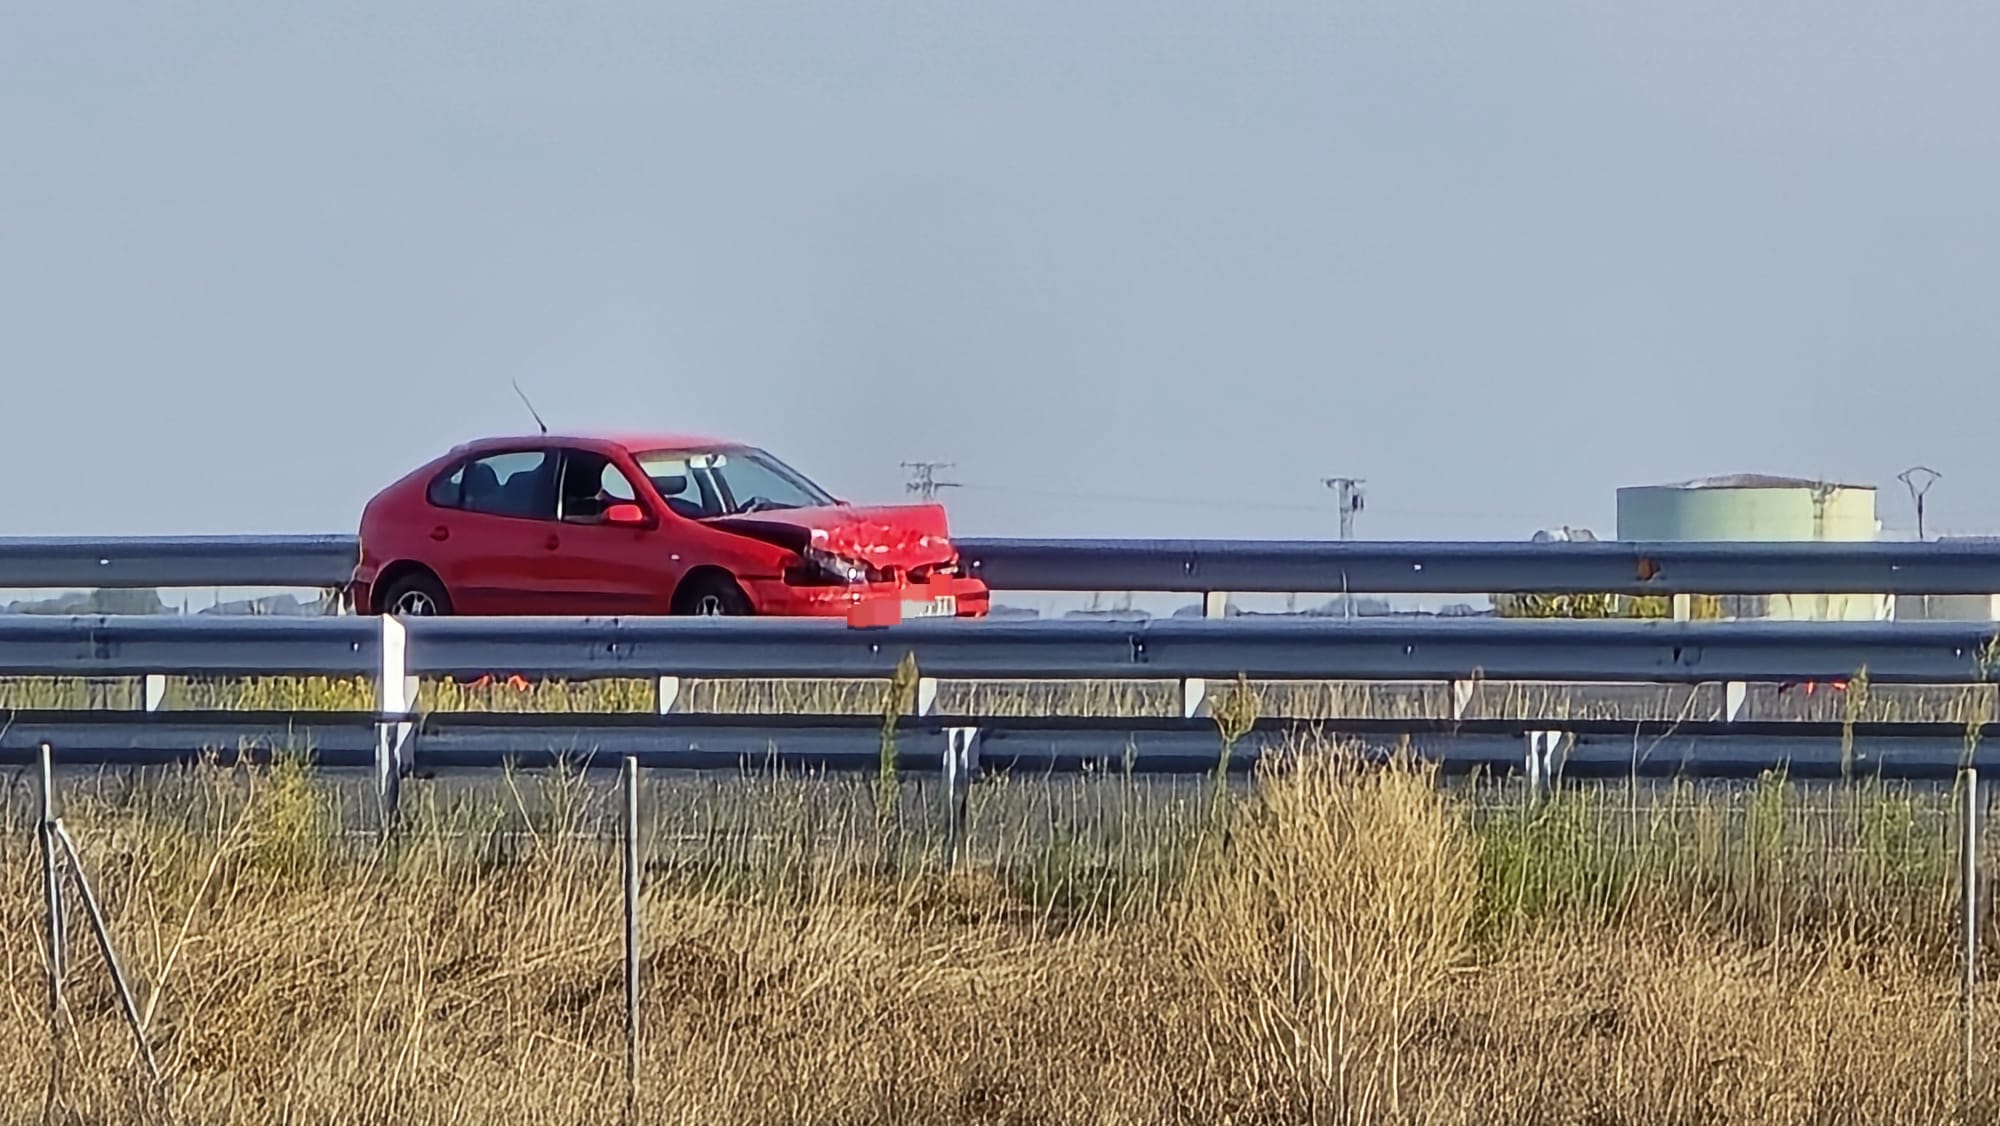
column 897, row 535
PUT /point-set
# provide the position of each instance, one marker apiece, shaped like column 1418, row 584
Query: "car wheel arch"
column 700, row 577
column 395, row 573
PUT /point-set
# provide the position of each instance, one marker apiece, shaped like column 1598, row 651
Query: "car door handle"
column 440, row 533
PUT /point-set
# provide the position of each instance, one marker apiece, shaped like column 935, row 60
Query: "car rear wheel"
column 416, row 595
column 712, row 596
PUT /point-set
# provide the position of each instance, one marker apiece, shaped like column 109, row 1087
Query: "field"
column 1323, row 943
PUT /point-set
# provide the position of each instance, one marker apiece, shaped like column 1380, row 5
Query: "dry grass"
column 1294, row 699
column 1340, row 945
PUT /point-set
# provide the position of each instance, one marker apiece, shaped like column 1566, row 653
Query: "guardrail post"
column 670, row 694
column 154, row 691
column 1461, row 696
column 961, row 761
column 1194, row 689
column 395, row 702
column 1735, row 695
column 1548, row 752
column 1194, row 698
column 927, row 693
column 1534, row 764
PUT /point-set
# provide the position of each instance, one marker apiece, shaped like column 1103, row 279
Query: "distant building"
column 1757, row 507
column 1565, row 534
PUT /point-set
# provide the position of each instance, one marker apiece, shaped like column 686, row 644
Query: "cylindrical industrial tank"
column 1761, row 508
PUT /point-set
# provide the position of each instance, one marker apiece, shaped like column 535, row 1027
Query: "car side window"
column 518, row 483
column 616, row 486
column 686, row 493
column 446, row 487
column 590, row 484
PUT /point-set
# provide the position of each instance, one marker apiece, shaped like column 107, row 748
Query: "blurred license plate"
column 943, row 606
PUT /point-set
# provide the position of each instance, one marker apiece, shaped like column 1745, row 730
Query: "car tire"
column 416, row 595
column 713, row 596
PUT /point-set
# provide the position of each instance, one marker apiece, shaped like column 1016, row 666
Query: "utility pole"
column 1349, row 491
column 923, row 479
column 1909, row 478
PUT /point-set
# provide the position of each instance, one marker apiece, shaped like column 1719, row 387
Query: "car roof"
column 634, row 441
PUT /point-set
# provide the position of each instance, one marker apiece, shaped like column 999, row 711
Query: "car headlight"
column 834, row 567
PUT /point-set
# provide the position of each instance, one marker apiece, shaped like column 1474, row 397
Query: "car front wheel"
column 416, row 596
column 714, row 597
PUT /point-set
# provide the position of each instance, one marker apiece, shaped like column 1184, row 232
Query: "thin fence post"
column 1969, row 900
column 59, row 851
column 631, row 780
column 52, row 895
column 104, row 946
column 951, row 811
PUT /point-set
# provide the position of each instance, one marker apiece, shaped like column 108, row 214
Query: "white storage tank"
column 1757, row 507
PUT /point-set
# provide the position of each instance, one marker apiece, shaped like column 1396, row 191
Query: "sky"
column 1135, row 269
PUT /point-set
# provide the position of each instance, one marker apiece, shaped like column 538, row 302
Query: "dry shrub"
column 1328, row 930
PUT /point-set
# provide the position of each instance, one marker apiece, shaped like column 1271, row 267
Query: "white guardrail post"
column 961, row 766
column 1548, row 753
column 395, row 707
column 1194, row 689
column 1735, row 693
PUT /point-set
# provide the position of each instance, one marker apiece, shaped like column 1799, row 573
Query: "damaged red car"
column 644, row 525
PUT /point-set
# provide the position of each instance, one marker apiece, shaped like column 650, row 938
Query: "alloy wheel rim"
column 416, row 604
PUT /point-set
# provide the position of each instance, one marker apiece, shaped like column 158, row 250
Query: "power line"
column 1245, row 504
column 1137, row 498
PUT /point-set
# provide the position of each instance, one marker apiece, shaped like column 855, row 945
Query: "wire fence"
column 1770, row 848
column 1755, row 860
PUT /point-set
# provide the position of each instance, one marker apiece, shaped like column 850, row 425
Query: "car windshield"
column 724, row 482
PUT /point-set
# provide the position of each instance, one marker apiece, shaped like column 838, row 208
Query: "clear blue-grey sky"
column 1497, row 259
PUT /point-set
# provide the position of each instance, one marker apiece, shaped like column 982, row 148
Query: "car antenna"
column 530, row 406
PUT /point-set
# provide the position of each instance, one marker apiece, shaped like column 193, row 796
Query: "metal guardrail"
column 1263, row 648
column 129, row 562
column 192, row 645
column 1276, row 649
column 1006, row 746
column 1153, row 565
column 1611, row 567
column 396, row 654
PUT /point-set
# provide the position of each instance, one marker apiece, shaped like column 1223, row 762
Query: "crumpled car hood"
column 896, row 535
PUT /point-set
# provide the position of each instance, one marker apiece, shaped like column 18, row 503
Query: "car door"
column 503, row 533
column 597, row 568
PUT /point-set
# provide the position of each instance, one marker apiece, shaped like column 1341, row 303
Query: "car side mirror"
column 625, row 515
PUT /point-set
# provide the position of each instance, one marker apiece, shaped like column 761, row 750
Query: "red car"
column 657, row 524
